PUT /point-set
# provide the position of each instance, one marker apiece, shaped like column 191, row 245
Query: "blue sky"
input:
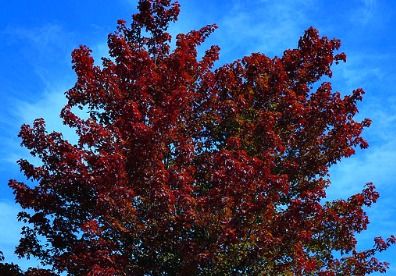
column 37, row 37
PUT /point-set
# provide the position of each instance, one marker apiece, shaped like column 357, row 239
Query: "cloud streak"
column 9, row 234
column 265, row 26
column 365, row 12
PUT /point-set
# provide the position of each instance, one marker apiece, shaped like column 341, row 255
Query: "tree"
column 12, row 269
column 9, row 269
column 184, row 169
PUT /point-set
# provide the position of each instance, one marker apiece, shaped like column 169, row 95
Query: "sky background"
column 37, row 37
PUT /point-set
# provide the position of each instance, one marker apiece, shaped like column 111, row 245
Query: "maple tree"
column 182, row 168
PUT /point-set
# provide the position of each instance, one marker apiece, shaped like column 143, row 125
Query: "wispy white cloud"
column 47, row 106
column 10, row 234
column 376, row 164
column 360, row 70
column 265, row 26
column 49, row 43
column 365, row 12
column 42, row 36
column 46, row 50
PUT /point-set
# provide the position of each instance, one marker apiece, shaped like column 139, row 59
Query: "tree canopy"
column 184, row 168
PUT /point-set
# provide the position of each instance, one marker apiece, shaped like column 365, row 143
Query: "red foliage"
column 185, row 169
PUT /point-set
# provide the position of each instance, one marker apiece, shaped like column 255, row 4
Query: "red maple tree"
column 183, row 169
